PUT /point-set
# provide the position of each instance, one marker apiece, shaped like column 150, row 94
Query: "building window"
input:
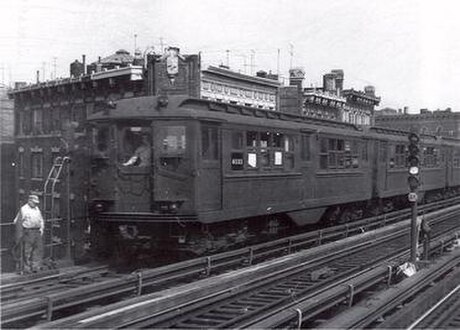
column 38, row 121
column 37, row 165
column 21, row 164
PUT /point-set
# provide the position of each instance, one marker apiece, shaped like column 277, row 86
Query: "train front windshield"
column 136, row 146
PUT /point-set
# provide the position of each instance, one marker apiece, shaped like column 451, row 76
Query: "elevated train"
column 217, row 174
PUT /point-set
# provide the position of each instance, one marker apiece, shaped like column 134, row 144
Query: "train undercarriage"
column 131, row 239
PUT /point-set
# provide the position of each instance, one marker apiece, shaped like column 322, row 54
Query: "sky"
column 408, row 49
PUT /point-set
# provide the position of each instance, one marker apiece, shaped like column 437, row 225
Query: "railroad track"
column 402, row 305
column 51, row 299
column 277, row 294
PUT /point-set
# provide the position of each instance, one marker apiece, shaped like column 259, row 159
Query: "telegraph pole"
column 413, row 180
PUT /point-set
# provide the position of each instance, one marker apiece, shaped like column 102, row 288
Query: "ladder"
column 49, row 191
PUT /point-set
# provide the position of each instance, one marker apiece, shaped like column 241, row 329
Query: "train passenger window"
column 278, row 139
column 251, row 139
column 323, row 156
column 265, row 139
column 173, row 139
column 209, row 143
column 338, row 154
column 265, row 142
column 430, row 157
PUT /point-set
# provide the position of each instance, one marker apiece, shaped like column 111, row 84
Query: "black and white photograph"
column 229, row 164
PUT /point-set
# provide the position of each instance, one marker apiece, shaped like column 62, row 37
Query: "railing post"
column 352, row 293
column 139, row 283
column 320, row 237
column 208, row 266
column 390, row 274
column 251, row 256
column 49, row 310
column 289, row 246
column 299, row 318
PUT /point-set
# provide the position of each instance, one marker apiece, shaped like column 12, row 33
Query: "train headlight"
column 173, row 207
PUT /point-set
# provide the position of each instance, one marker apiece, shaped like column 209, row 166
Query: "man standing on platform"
column 29, row 232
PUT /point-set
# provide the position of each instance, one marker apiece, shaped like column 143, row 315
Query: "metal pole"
column 413, row 250
column 69, row 241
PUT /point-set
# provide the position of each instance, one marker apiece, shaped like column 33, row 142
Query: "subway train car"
column 199, row 176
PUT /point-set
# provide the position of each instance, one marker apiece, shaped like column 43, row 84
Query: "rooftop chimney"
column 369, row 90
column 83, row 57
column 38, row 76
column 296, row 77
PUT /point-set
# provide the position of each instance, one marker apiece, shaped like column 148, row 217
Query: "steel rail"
column 159, row 278
column 121, row 315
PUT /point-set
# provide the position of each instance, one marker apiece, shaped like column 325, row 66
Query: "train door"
column 210, row 168
column 379, row 172
column 134, row 154
column 174, row 169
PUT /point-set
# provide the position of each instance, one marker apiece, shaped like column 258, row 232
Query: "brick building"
column 332, row 102
column 439, row 122
column 7, row 175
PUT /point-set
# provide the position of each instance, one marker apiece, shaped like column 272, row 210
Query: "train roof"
column 149, row 107
column 183, row 107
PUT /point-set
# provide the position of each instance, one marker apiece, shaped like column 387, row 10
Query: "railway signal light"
column 413, row 162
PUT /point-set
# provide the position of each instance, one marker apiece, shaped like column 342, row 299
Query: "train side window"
column 251, row 139
column 430, row 157
column 289, row 151
column 265, row 142
column 209, row 143
column 323, row 155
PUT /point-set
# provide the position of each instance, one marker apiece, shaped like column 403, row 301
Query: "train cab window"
column 173, row 145
column 173, row 139
column 136, row 146
column 209, row 143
